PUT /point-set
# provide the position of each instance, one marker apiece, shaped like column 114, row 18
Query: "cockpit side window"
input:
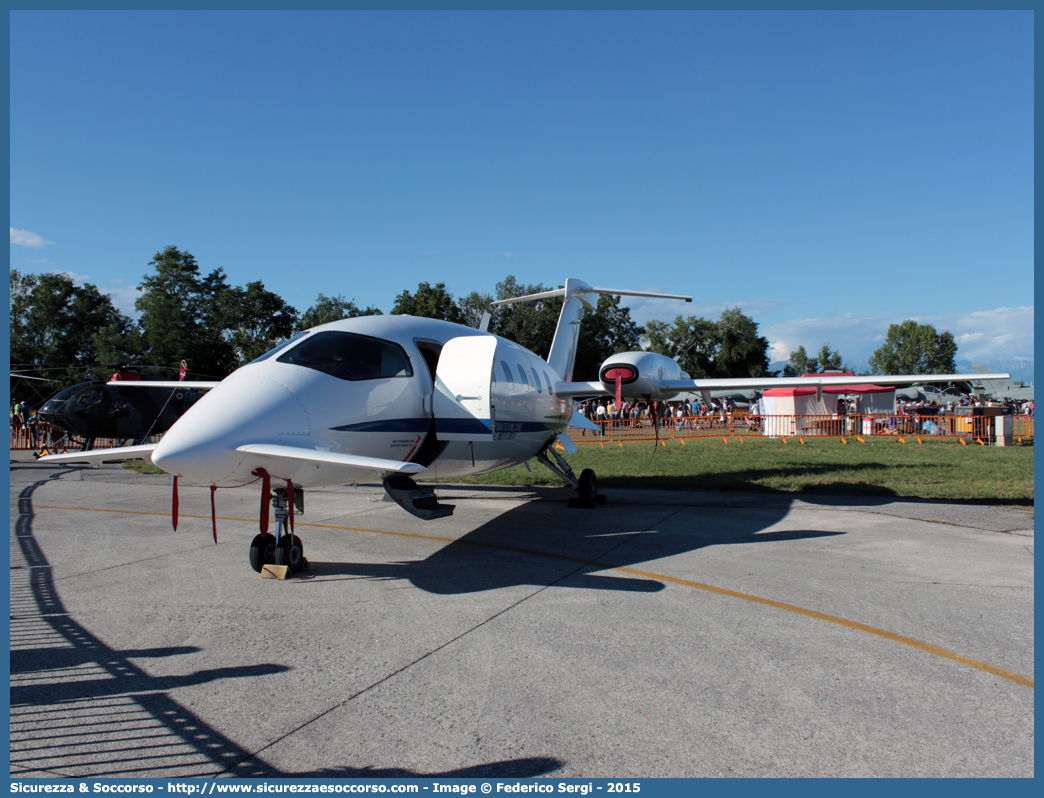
column 350, row 356
column 280, row 347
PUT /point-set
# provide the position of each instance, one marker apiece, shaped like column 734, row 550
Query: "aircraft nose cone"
column 201, row 446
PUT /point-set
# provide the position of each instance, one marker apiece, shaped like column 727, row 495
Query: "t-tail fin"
column 578, row 295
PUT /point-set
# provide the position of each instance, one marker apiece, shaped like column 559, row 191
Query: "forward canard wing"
column 278, row 452
column 102, row 455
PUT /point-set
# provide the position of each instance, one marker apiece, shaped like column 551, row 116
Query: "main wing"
column 642, row 386
column 265, row 451
column 102, row 455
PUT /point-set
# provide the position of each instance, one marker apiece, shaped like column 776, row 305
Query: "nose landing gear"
column 284, row 547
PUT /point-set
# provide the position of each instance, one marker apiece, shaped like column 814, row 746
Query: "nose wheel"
column 262, row 551
column 284, row 547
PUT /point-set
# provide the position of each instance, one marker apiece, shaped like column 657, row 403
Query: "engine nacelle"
column 638, row 375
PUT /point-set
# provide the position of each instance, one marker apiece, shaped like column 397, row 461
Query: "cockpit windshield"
column 350, row 356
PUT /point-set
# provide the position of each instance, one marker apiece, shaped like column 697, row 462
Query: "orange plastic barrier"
column 44, row 436
column 789, row 426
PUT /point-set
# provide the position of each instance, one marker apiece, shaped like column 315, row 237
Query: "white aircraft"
column 401, row 398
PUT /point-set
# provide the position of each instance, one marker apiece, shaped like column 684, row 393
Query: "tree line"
column 71, row 333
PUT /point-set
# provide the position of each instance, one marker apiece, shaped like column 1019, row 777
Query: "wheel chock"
column 275, row 571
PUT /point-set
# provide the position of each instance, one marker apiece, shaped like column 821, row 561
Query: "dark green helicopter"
column 121, row 411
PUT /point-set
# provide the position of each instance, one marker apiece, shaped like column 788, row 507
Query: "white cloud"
column 511, row 254
column 24, row 238
column 76, row 278
column 854, row 336
column 643, row 309
column 1003, row 333
column 124, row 298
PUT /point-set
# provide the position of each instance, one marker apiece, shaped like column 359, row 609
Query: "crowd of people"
column 683, row 414
column 28, row 430
column 697, row 414
column 1013, row 407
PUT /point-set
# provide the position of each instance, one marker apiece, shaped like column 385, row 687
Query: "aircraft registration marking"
column 912, row 642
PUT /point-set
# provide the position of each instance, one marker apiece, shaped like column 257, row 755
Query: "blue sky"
column 828, row 172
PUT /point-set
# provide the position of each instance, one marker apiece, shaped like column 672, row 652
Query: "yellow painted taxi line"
column 920, row 645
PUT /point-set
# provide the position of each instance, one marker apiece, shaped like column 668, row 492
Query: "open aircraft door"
column 462, row 389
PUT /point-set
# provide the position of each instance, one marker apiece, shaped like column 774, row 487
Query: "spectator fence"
column 623, row 430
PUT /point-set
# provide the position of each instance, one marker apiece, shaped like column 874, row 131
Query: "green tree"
column 741, row 351
column 428, row 302
column 691, row 341
column 729, row 347
column 800, row 363
column 184, row 315
column 255, row 320
column 529, row 324
column 472, row 307
column 830, row 360
column 327, row 309
column 605, row 331
column 55, row 324
column 22, row 287
column 912, row 348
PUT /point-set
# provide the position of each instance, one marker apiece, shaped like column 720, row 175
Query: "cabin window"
column 280, row 347
column 536, row 379
column 350, row 356
column 507, row 373
column 548, row 381
column 522, row 377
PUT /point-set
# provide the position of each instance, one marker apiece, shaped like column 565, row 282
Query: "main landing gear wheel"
column 290, row 551
column 262, row 551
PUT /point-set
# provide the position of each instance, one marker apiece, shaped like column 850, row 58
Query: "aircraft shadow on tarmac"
column 542, row 543
column 63, row 724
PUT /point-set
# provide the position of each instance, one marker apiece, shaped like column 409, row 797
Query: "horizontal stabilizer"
column 570, row 389
column 331, row 458
column 100, row 455
column 580, row 421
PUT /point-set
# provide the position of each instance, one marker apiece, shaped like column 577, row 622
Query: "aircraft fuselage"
column 374, row 386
